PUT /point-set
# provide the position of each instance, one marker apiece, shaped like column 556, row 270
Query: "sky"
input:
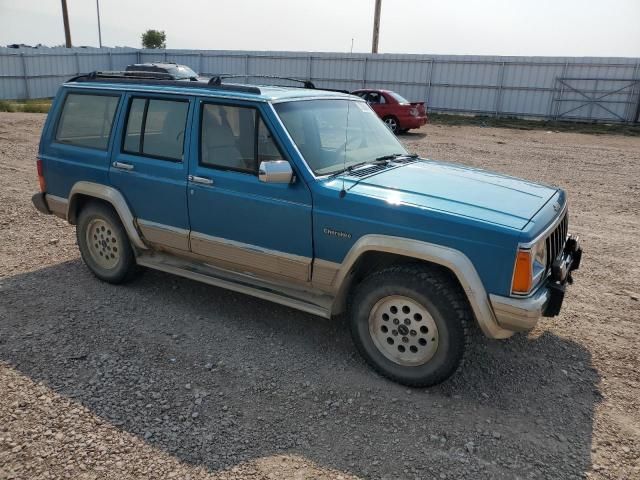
column 466, row 27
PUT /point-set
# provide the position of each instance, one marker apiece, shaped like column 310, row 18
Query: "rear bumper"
column 40, row 203
column 521, row 314
column 50, row 204
column 412, row 122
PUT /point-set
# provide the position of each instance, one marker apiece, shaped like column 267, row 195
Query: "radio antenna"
column 343, row 192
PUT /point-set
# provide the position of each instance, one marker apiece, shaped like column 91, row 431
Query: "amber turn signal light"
column 522, row 274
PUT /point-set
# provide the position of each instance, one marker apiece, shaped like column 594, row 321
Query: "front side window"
column 235, row 138
column 155, row 128
column 267, row 149
column 86, row 120
column 335, row 134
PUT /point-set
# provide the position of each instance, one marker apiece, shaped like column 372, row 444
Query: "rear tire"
column 392, row 123
column 104, row 244
column 411, row 324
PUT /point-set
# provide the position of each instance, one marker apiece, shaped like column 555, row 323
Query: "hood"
column 460, row 190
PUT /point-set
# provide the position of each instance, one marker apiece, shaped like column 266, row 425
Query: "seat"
column 219, row 143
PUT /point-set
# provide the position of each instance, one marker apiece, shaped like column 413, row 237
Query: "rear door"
column 378, row 103
column 76, row 145
column 149, row 168
column 237, row 221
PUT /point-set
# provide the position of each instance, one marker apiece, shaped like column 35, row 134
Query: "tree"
column 154, row 39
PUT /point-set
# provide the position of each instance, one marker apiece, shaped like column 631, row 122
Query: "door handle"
column 122, row 165
column 200, row 180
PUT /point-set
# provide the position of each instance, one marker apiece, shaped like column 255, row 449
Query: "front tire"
column 104, row 245
column 411, row 324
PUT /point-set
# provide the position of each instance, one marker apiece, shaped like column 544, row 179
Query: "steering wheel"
column 180, row 134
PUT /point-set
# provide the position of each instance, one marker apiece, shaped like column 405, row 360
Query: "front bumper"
column 521, row 314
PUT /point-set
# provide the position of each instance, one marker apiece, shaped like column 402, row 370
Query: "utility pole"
column 376, row 27
column 65, row 19
column 99, row 31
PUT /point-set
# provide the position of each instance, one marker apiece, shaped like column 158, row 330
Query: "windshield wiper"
column 352, row 167
column 383, row 160
column 386, row 158
column 393, row 156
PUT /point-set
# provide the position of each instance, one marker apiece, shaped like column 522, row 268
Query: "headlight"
column 531, row 265
column 539, row 254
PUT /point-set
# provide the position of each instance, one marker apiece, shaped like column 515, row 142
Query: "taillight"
column 41, row 181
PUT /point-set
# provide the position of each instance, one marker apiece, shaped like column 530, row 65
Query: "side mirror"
column 275, row 171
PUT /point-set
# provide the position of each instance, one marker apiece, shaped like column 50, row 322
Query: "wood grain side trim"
column 251, row 257
column 164, row 235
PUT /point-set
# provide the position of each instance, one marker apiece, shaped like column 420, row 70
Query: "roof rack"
column 217, row 79
column 157, row 78
column 166, row 79
column 146, row 75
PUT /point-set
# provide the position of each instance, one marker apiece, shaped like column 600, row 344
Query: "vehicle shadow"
column 411, row 135
column 216, row 379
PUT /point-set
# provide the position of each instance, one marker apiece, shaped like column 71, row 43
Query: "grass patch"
column 6, row 106
column 36, row 105
column 520, row 124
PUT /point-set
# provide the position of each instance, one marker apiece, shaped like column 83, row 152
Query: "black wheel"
column 411, row 324
column 104, row 245
column 392, row 123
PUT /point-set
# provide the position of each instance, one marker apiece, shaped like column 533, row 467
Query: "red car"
column 397, row 112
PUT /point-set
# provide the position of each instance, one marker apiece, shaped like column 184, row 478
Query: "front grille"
column 555, row 241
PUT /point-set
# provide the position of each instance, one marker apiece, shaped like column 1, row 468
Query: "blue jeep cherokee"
column 303, row 197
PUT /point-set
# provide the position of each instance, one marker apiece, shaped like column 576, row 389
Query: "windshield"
column 319, row 129
column 399, row 97
column 180, row 71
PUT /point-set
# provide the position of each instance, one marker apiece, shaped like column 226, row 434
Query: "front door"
column 237, row 221
column 149, row 166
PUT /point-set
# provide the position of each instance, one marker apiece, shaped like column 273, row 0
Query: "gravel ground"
column 168, row 378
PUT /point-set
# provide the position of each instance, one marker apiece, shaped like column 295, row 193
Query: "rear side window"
column 86, row 120
column 375, row 97
column 155, row 128
column 235, row 138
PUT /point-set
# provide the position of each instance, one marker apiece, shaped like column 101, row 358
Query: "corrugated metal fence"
column 569, row 88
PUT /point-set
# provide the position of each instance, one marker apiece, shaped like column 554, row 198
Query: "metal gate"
column 596, row 99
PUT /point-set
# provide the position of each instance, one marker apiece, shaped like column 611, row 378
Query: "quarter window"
column 86, row 120
column 155, row 128
column 235, row 138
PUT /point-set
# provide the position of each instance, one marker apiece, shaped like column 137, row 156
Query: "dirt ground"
column 168, row 378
